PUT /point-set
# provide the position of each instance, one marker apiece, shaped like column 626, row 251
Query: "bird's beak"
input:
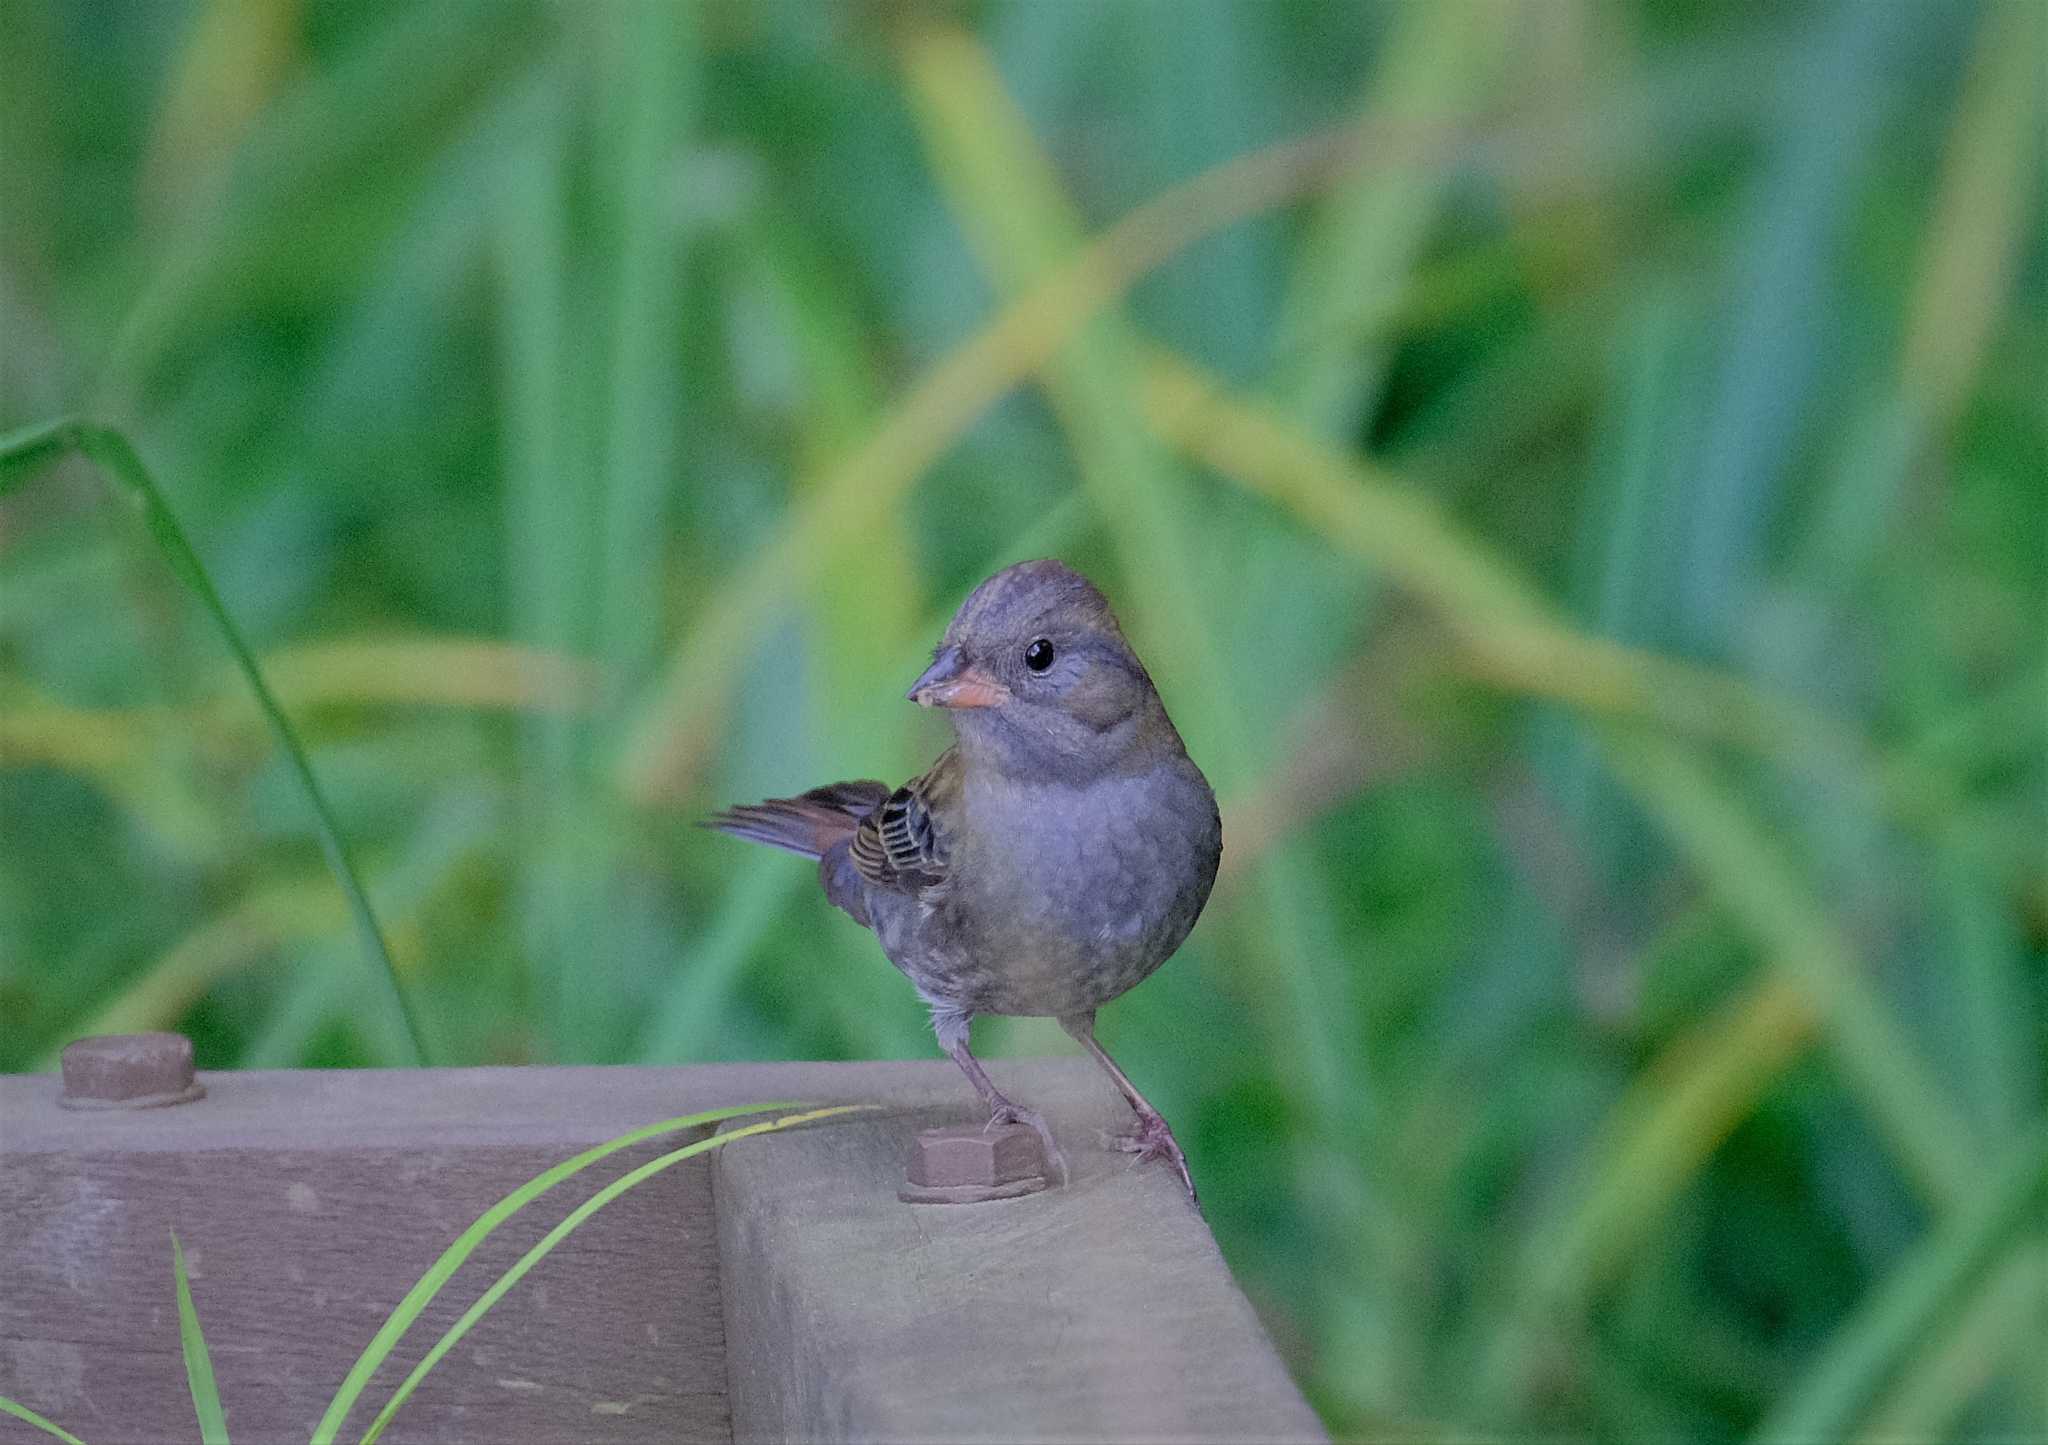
column 952, row 682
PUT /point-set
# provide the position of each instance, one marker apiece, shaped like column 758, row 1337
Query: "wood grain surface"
column 309, row 1202
column 1101, row 1310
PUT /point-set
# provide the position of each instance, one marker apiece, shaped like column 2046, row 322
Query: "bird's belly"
column 1060, row 910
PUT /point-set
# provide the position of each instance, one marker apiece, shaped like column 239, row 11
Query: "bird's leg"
column 951, row 1028
column 1152, row 1139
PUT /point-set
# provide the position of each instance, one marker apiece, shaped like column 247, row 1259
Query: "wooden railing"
column 776, row 1289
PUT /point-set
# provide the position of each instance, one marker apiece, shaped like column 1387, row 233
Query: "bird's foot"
column 1152, row 1139
column 1002, row 1111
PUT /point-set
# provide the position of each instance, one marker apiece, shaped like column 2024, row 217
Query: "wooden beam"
column 309, row 1202
column 1097, row 1311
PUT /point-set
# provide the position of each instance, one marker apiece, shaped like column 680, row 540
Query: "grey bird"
column 1051, row 859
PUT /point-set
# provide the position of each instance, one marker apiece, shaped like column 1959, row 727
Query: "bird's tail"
column 805, row 825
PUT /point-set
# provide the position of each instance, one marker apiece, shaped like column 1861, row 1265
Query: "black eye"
column 1038, row 656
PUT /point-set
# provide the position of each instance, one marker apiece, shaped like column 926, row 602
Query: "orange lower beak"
column 951, row 681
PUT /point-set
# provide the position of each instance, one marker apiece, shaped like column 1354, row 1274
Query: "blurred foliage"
column 1576, row 470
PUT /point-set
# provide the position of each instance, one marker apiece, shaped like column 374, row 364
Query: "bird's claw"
column 1004, row 1112
column 1152, row 1139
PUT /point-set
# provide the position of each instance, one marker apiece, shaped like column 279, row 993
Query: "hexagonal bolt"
column 129, row 1071
column 973, row 1164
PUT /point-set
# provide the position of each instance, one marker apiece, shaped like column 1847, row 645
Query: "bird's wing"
column 902, row 844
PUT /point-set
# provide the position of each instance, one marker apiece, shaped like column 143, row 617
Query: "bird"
column 1050, row 860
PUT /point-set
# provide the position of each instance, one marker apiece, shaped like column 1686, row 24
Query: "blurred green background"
column 1575, row 469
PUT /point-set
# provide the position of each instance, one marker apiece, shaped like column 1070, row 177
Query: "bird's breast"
column 1064, row 897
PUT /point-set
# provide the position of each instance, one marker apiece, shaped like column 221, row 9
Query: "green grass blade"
column 1741, row 860
column 649, row 66
column 866, row 597
column 213, row 1420
column 674, row 728
column 1658, row 1136
column 1922, row 1294
column 689, row 1016
column 547, row 563
column 290, row 912
column 330, row 166
column 1366, row 238
column 562, row 1231
column 1498, row 612
column 22, row 1412
column 422, row 1293
column 24, row 452
column 1996, row 1326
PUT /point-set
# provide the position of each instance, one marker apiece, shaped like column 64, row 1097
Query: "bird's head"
column 1038, row 679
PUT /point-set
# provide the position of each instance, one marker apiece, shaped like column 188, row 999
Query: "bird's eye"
column 1038, row 656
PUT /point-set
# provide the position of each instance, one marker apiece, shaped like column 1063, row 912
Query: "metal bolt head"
column 973, row 1164
column 129, row 1071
